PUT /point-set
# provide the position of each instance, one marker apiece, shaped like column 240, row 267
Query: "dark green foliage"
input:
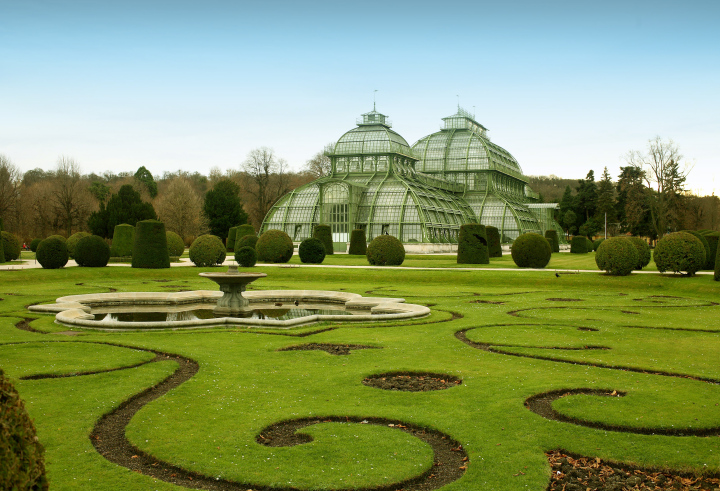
column 358, row 242
column 596, row 244
column 223, row 209
column 716, row 276
column 493, row 238
column 679, row 251
column 22, row 465
column 274, row 246
column 311, row 251
column 124, row 207
column 52, row 253
column 244, row 230
column 617, row 256
column 705, row 243
column 712, row 238
column 11, row 246
column 230, row 242
column 246, row 257
column 578, row 244
column 150, row 247
column 92, row 252
column 247, row 241
column 324, row 235
column 385, row 250
column 588, row 244
column 122, row 240
column 552, row 237
column 57, row 236
column 175, row 244
column 473, row 245
column 207, row 250
column 643, row 250
column 2, row 248
column 146, row 179
column 34, row 244
column 73, row 240
column 531, row 250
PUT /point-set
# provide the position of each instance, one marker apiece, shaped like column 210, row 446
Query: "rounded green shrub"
column 324, row 234
column 311, row 251
column 596, row 243
column 588, row 245
column 52, row 253
column 247, row 241
column 22, row 465
column 679, row 251
column 617, row 256
column 531, row 250
column 92, row 252
column 175, row 244
column 207, row 250
column 712, row 238
column 552, row 237
column 34, row 244
column 385, row 250
column 11, row 246
column 73, row 240
column 493, row 239
column 150, row 247
column 358, row 242
column 578, row 244
column 230, row 242
column 243, row 231
column 122, row 240
column 473, row 244
column 705, row 244
column 246, row 257
column 643, row 250
column 274, row 246
column 57, row 236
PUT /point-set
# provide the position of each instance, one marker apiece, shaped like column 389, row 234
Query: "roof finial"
column 374, row 99
column 458, row 97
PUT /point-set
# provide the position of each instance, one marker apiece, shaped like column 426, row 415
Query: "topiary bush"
column 22, row 465
column 552, row 237
column 712, row 238
column 175, row 244
column 207, row 250
column 531, row 250
column 57, row 236
column 358, row 242
column 493, row 239
column 588, row 245
column 311, row 251
column 578, row 244
column 643, row 250
column 11, row 246
column 230, row 242
column 616, row 256
column 34, row 244
column 92, row 252
column 385, row 250
column 247, row 241
column 473, row 245
column 324, row 235
column 274, row 246
column 122, row 240
column 52, row 253
column 244, row 231
column 679, row 251
column 73, row 240
column 246, row 257
column 596, row 243
column 150, row 247
column 705, row 243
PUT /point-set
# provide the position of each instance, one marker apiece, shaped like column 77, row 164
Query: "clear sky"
column 565, row 86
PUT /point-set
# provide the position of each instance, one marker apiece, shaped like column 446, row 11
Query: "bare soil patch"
column 333, row 349
column 412, row 382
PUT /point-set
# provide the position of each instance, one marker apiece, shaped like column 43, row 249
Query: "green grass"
column 210, row 423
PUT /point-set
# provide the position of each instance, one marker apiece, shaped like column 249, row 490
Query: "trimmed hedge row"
column 207, row 250
column 274, row 246
column 385, row 250
column 358, row 242
column 679, row 251
column 52, row 253
column 92, row 252
column 324, row 234
column 531, row 250
column 473, row 244
column 150, row 247
column 617, row 256
column 311, row 251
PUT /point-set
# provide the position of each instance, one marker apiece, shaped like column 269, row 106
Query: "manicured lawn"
column 509, row 335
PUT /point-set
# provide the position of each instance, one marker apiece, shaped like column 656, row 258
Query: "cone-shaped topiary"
column 552, row 237
column 705, row 244
column 230, row 242
column 578, row 244
column 358, row 242
column 22, row 465
column 207, row 250
column 92, row 252
column 246, row 257
column 175, row 244
column 150, row 246
column 679, row 251
column 472, row 245
column 493, row 239
column 11, row 246
column 385, row 250
column 311, row 251
column 617, row 256
column 531, row 250
column 52, row 253
column 596, row 243
column 34, row 244
column 122, row 240
column 274, row 246
column 247, row 241
column 324, row 234
column 643, row 250
column 72, row 242
column 712, row 238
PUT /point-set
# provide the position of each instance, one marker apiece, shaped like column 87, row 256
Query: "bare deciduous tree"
column 71, row 197
column 180, row 207
column 320, row 165
column 265, row 178
column 10, row 180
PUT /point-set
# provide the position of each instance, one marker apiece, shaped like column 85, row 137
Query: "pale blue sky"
column 564, row 86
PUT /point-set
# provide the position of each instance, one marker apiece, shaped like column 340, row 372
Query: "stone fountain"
column 232, row 284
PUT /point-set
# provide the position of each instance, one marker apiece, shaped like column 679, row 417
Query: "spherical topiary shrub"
column 588, row 245
column 230, row 242
column 57, row 236
column 493, row 239
column 679, row 252
column 473, row 245
column 578, row 244
column 92, row 252
column 243, row 231
column 385, row 250
column 11, row 246
column 705, row 243
column 246, row 241
column 207, row 250
column 175, row 244
column 73, row 240
column 712, row 238
column 617, row 256
column 246, row 257
column 358, row 242
column 552, row 237
column 531, row 250
column 123, row 240
column 324, row 235
column 643, row 250
column 52, row 253
column 34, row 244
column 22, row 465
column 311, row 251
column 274, row 246
column 596, row 243
column 150, row 247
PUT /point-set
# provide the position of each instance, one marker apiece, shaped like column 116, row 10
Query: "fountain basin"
column 232, row 284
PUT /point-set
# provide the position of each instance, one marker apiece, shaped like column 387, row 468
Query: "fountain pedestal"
column 232, row 284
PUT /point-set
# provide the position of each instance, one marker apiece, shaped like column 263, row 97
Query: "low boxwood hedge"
column 311, row 251
column 274, row 246
column 52, row 253
column 324, row 234
column 358, row 242
column 473, row 244
column 617, row 256
column 246, row 256
column 385, row 250
column 531, row 250
column 678, row 252
column 92, row 252
column 207, row 250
